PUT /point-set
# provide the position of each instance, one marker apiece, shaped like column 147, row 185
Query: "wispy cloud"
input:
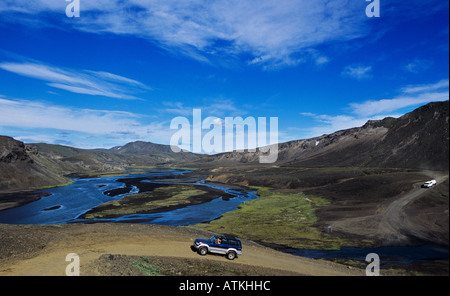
column 37, row 116
column 412, row 95
column 213, row 107
column 31, row 114
column 33, row 121
column 418, row 65
column 424, row 88
column 357, row 72
column 79, row 81
column 272, row 33
column 360, row 113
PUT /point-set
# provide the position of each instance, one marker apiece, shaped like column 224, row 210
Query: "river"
column 390, row 254
column 66, row 204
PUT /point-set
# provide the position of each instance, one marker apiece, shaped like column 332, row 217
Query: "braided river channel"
column 66, row 205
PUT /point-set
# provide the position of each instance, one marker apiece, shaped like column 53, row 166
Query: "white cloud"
column 442, row 84
column 322, row 60
column 411, row 96
column 35, row 116
column 418, row 65
column 118, row 78
column 360, row 113
column 357, row 71
column 31, row 114
column 273, row 32
column 83, row 82
column 218, row 107
column 369, row 108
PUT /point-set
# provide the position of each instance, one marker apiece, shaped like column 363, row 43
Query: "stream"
column 66, row 204
column 388, row 254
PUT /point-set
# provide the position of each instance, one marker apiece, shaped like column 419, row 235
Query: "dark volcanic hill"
column 140, row 147
column 21, row 168
column 418, row 140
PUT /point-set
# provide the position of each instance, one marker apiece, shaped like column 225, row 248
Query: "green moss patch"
column 277, row 218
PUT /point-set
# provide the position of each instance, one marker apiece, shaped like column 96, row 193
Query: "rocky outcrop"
column 19, row 169
column 13, row 151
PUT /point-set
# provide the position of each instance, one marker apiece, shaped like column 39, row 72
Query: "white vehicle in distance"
column 429, row 184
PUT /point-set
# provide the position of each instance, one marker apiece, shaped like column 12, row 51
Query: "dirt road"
column 390, row 224
column 42, row 250
column 20, row 254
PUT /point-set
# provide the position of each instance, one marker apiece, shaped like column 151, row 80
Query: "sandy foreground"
column 41, row 250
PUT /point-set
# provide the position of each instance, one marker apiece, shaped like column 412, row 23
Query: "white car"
column 429, row 184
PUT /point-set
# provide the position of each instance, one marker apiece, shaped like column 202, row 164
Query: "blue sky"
column 124, row 69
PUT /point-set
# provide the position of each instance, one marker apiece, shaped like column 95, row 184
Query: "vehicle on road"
column 227, row 245
column 429, row 184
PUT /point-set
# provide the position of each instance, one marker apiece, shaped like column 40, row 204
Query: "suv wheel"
column 231, row 255
column 203, row 251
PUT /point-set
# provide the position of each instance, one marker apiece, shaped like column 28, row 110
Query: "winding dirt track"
column 41, row 250
column 390, row 223
column 91, row 241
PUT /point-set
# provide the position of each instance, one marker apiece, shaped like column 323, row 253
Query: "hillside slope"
column 157, row 152
column 21, row 167
column 128, row 156
column 140, row 147
column 419, row 140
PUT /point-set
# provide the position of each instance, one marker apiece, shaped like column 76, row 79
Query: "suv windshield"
column 225, row 240
column 216, row 239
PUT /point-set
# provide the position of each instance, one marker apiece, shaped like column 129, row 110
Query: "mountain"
column 140, row 147
column 135, row 153
column 21, row 167
column 418, row 140
column 31, row 166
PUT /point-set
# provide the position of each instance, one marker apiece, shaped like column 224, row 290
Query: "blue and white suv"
column 219, row 244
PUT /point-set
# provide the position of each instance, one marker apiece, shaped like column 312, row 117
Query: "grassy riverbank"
column 54, row 186
column 278, row 218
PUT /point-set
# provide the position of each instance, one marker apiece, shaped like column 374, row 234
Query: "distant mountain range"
column 29, row 166
column 140, row 148
column 417, row 140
